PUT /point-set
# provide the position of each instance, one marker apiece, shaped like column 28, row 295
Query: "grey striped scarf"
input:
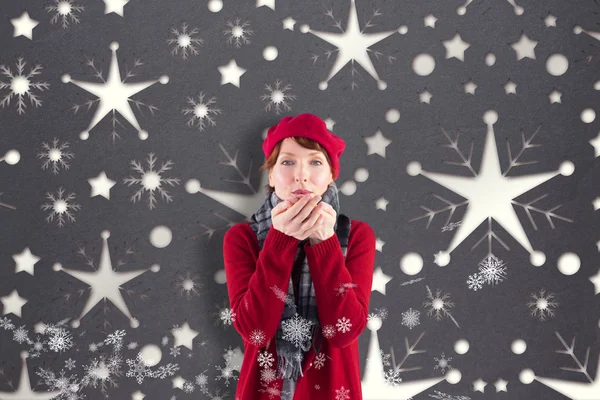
column 299, row 325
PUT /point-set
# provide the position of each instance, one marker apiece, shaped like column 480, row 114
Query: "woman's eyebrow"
column 310, row 154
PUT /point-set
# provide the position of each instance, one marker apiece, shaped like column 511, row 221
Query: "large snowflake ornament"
column 21, row 85
column 61, row 208
column 64, row 12
column 296, row 330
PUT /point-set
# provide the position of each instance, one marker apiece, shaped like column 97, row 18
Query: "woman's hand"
column 297, row 216
column 323, row 227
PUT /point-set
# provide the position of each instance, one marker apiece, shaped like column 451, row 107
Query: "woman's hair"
column 302, row 141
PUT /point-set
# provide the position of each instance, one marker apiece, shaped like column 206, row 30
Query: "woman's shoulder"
column 239, row 229
column 361, row 227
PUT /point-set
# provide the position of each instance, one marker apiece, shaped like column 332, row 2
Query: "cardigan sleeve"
column 343, row 286
column 257, row 288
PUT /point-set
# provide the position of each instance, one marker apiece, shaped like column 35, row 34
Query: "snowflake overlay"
column 237, row 33
column 55, row 156
column 543, row 305
column 61, row 207
column 185, row 42
column 410, row 318
column 296, row 330
column 21, row 86
column 278, row 98
column 65, row 11
column 202, row 111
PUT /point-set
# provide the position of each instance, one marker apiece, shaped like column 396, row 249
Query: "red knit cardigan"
column 257, row 284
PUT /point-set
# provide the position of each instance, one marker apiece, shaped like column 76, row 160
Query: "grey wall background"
column 520, row 287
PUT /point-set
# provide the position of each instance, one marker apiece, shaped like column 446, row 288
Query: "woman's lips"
column 301, row 192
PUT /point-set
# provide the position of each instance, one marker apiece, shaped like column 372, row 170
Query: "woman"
column 299, row 273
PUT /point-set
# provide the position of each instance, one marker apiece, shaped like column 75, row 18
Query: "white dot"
column 537, row 258
column 403, row 29
column 557, row 64
column 568, row 263
column 588, row 115
column 490, row 117
column 526, row 376
column 374, row 323
column 411, row 263
column 566, row 168
column 381, row 85
column 215, row 5
column 134, row 323
column 164, row 79
column 348, row 188
column 270, row 53
column 220, row 277
column 323, row 85
column 57, row 267
column 155, row 268
column 453, row 376
column 151, row 355
column 597, row 85
column 12, row 157
column 423, row 64
column 461, row 10
column 413, row 168
column 304, row 28
column 490, row 59
column 192, row 186
column 461, row 346
column 114, row 45
column 160, row 236
column 518, row 346
column 84, row 135
column 75, row 323
column 66, row 78
column 442, row 258
column 577, row 29
column 143, row 135
column 392, row 115
column 361, row 174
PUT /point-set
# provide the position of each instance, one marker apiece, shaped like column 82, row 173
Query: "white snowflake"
column 6, row 324
column 342, row 289
column 272, row 391
column 164, row 341
column 70, row 364
column 342, row 394
column 319, row 360
column 188, row 283
column 296, row 329
column 20, row 335
column 475, row 282
column 37, row 348
column 438, row 305
column 328, row 331
column 202, row 112
column 132, row 345
column 258, row 337
column 238, row 32
column 492, row 270
column 188, row 387
column 116, row 339
column 410, row 318
column 98, row 373
column 442, row 363
column 227, row 316
column 265, row 359
column 543, row 305
column 55, row 155
column 268, row 375
column 226, row 373
column 186, row 41
column 392, row 377
column 138, row 369
column 21, row 86
column 201, row 380
column 61, row 207
column 174, row 351
column 283, row 296
column 444, row 396
column 343, row 325
column 60, row 339
column 151, row 180
column 69, row 386
column 278, row 97
column 65, row 11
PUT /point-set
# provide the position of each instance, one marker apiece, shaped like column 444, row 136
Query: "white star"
column 184, row 336
column 380, row 280
column 595, row 279
column 377, row 144
column 178, row 382
column 596, row 143
column 231, row 73
column 500, row 385
column 379, row 244
column 490, row 193
column 105, row 283
column 550, row 20
column 24, row 391
column 101, row 185
column 24, row 25
column 25, row 261
column 470, row 87
column 13, row 303
column 268, row 3
column 138, row 395
column 352, row 45
column 478, row 385
column 555, row 96
column 114, row 94
column 329, row 122
column 524, row 47
column 289, row 23
column 115, row 6
column 430, row 20
column 381, row 203
column 596, row 203
column 456, row 47
column 425, row 97
column 510, row 87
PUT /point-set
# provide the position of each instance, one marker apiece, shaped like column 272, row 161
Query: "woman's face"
column 299, row 168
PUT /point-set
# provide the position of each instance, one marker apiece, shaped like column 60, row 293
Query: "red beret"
column 308, row 126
